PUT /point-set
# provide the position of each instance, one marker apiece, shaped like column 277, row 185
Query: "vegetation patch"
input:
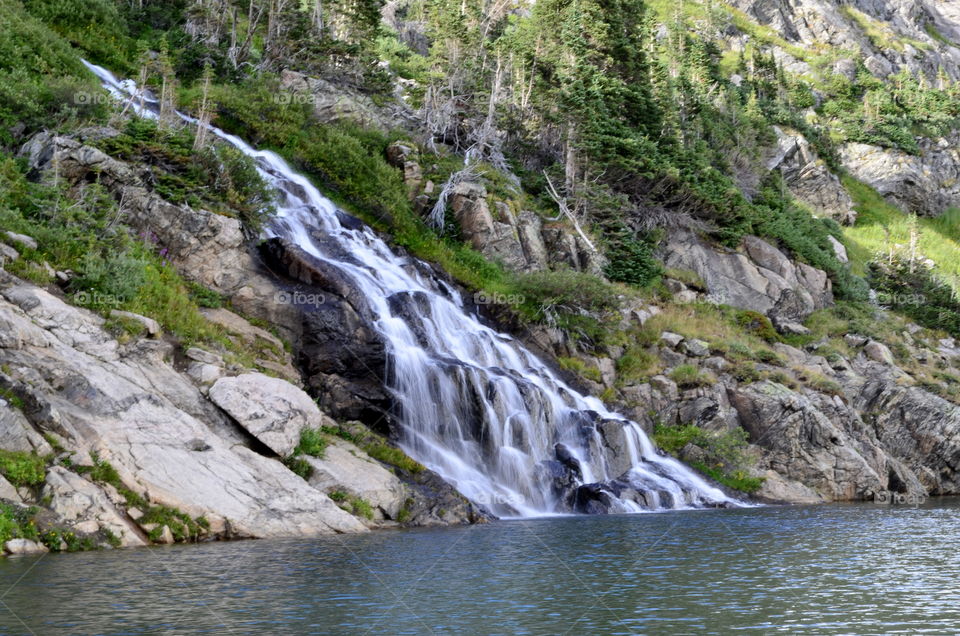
column 393, row 456
column 16, row 522
column 580, row 368
column 688, row 376
column 23, row 469
column 725, row 455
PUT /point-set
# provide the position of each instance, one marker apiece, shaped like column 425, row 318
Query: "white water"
column 475, row 406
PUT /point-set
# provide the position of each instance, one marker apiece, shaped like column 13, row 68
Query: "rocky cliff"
column 281, row 424
column 145, row 438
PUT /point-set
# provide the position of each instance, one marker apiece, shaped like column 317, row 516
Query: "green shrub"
column 818, row 382
column 756, row 324
column 103, row 472
column 107, row 282
column 23, row 469
column 635, row 364
column 17, row 522
column 916, row 291
column 55, row 540
column 673, row 438
column 783, row 378
column 745, row 372
column 204, row 297
column 768, row 357
column 124, row 329
column 553, row 295
column 361, row 507
column 312, row 442
column 737, row 479
column 630, row 259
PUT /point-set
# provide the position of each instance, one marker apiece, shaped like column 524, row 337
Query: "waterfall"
column 474, row 405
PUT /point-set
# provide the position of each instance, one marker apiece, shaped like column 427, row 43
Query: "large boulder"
column 346, row 468
column 272, row 410
column 23, row 546
column 406, row 157
column 496, row 239
column 129, row 405
column 759, row 277
column 339, row 103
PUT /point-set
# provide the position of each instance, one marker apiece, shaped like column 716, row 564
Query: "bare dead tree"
column 566, row 211
column 439, row 211
column 238, row 53
column 203, row 118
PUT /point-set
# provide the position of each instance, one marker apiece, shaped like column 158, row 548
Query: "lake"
column 859, row 568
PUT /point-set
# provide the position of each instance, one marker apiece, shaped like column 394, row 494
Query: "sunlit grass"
column 881, row 226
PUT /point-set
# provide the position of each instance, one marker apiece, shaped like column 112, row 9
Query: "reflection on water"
column 826, row 569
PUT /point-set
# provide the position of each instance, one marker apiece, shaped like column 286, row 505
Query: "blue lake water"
column 853, row 569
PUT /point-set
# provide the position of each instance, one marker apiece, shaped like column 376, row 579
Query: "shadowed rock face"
column 344, row 361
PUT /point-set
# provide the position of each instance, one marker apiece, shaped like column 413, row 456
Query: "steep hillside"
column 734, row 222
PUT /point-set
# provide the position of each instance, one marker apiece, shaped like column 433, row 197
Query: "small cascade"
column 474, row 405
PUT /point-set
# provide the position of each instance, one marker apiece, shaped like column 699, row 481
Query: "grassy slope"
column 881, row 226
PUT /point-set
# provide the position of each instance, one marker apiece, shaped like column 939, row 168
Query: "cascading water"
column 475, row 406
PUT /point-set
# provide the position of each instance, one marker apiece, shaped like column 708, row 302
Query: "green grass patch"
column 636, row 364
column 726, row 456
column 299, row 466
column 737, row 479
column 688, row 376
column 580, row 368
column 313, row 442
column 17, row 522
column 23, row 469
column 394, row 457
column 881, row 226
